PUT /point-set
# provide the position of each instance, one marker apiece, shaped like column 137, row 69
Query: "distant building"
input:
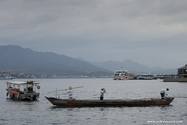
column 182, row 72
column 181, row 76
column 5, row 75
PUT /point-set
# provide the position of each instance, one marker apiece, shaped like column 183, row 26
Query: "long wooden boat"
column 14, row 90
column 109, row 102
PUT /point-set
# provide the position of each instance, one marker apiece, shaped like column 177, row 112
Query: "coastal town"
column 131, row 76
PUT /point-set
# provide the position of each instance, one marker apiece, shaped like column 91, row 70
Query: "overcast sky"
column 150, row 32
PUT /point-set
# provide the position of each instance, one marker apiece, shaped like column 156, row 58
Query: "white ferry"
column 121, row 75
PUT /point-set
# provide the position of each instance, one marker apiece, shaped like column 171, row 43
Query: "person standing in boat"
column 70, row 93
column 102, row 93
column 163, row 93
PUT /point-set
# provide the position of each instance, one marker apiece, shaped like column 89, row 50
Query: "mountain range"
column 18, row 59
column 133, row 67
column 25, row 60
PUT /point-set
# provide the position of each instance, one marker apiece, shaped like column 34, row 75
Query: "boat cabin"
column 120, row 72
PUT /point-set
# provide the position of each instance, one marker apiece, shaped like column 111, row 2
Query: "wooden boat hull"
column 108, row 103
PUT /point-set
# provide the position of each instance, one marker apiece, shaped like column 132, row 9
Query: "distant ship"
column 121, row 75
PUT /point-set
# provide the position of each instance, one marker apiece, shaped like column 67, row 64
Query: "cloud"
column 143, row 31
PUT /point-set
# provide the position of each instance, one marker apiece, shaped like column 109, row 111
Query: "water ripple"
column 43, row 112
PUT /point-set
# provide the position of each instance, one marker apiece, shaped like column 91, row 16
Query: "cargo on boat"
column 23, row 90
column 109, row 102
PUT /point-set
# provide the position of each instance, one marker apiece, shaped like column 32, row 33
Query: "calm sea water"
column 42, row 112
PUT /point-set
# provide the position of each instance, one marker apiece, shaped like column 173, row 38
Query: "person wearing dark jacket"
column 102, row 93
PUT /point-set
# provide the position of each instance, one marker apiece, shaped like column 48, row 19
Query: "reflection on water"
column 43, row 112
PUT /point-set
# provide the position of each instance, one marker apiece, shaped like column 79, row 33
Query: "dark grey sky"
column 150, row 32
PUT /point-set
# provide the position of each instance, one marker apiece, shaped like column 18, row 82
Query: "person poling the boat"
column 70, row 93
column 102, row 93
column 163, row 93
